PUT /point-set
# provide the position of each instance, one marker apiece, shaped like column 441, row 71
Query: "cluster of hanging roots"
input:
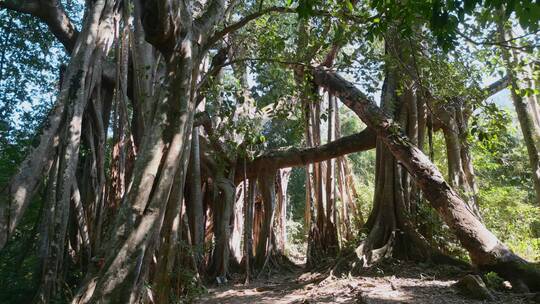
column 139, row 195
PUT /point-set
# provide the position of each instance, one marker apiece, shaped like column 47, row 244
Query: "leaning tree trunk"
column 223, row 204
column 486, row 251
column 82, row 78
column 78, row 83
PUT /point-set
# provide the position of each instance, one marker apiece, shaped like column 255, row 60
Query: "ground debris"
column 404, row 283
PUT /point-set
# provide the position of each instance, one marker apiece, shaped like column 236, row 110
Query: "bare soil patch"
column 396, row 283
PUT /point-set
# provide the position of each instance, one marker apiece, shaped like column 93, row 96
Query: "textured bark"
column 223, row 204
column 249, row 203
column 82, row 226
column 47, row 253
column 139, row 223
column 280, row 226
column 171, row 243
column 330, row 229
column 237, row 226
column 16, row 196
column 82, row 78
column 264, row 246
column 294, row 157
column 390, row 230
column 78, row 83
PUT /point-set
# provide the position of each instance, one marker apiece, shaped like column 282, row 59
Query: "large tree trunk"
column 485, row 250
column 140, row 219
column 224, row 199
column 82, row 78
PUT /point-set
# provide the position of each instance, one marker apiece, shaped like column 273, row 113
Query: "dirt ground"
column 400, row 283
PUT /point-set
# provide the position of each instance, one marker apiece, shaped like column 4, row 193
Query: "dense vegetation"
column 151, row 148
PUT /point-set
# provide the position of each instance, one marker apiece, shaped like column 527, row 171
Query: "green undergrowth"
column 513, row 219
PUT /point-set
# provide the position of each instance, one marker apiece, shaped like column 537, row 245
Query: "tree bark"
column 330, row 233
column 251, row 188
column 194, row 203
column 526, row 115
column 267, row 188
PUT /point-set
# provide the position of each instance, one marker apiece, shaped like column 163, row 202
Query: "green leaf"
column 349, row 5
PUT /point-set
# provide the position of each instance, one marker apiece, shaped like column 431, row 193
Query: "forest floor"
column 396, row 283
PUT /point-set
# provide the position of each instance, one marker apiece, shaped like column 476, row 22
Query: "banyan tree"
column 154, row 160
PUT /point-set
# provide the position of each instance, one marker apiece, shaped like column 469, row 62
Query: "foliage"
column 510, row 216
column 506, row 195
column 19, row 261
column 493, row 281
column 263, row 111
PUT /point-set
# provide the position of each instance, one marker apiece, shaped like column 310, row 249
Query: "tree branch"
column 497, row 86
column 294, row 157
column 210, row 17
column 501, row 44
column 25, row 7
column 52, row 13
column 246, row 19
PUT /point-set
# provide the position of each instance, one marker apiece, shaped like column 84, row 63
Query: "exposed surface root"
column 393, row 283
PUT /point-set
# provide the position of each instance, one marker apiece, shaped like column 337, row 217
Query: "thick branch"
column 215, row 68
column 26, row 7
column 210, row 17
column 294, row 157
column 52, row 13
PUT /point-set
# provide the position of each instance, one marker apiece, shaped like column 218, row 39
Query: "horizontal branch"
column 52, row 13
column 294, row 157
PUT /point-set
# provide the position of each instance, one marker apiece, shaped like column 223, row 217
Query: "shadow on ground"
column 400, row 283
